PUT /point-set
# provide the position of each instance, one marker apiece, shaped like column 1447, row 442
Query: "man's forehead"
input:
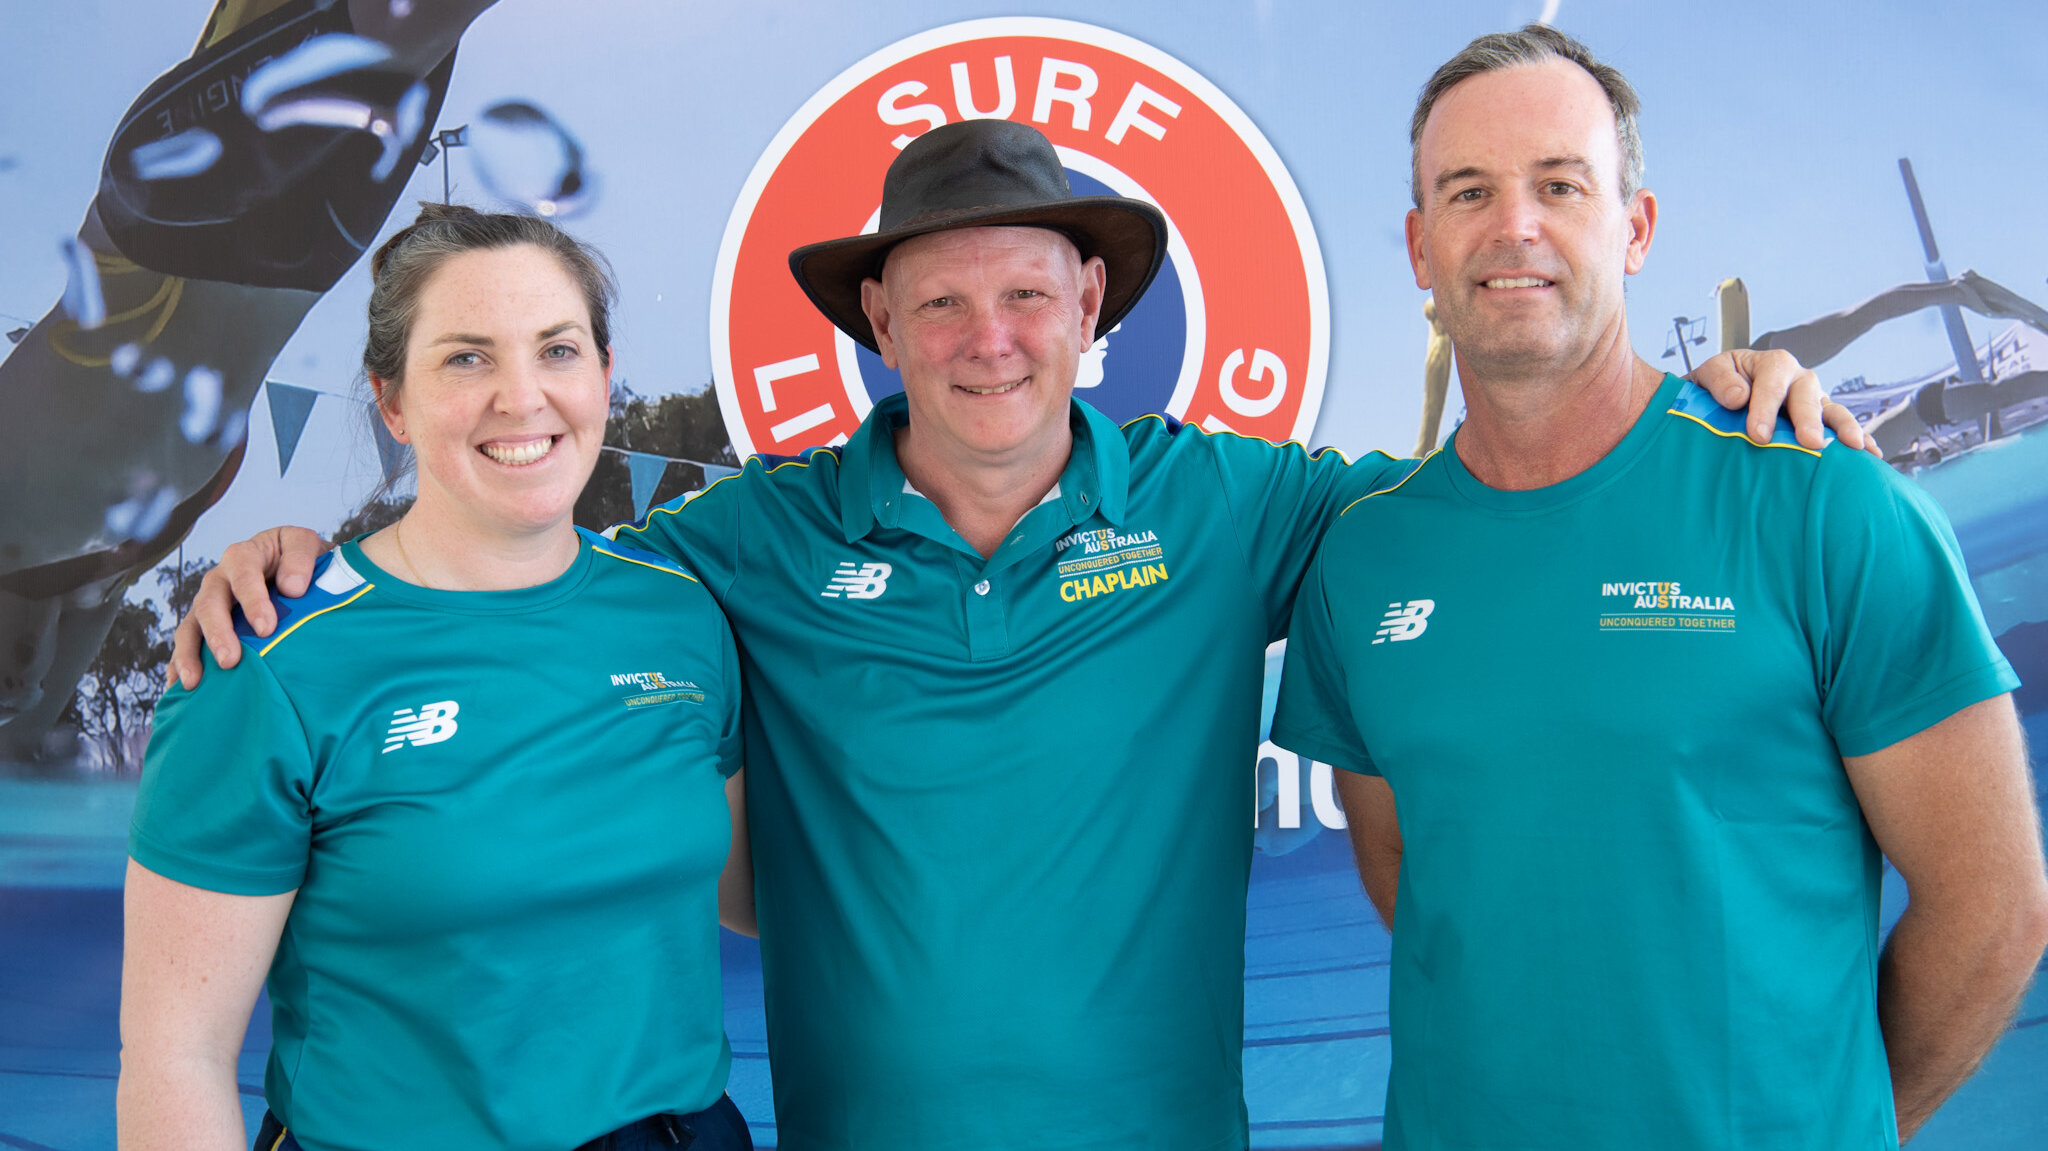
column 1020, row 246
column 1522, row 116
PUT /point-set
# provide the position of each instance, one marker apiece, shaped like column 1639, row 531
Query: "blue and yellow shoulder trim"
column 633, row 555
column 1696, row 404
column 758, row 464
column 335, row 585
column 1395, row 486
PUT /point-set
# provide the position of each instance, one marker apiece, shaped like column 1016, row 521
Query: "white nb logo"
column 858, row 581
column 431, row 724
column 1405, row 621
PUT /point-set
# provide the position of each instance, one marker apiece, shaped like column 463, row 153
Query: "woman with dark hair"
column 474, row 808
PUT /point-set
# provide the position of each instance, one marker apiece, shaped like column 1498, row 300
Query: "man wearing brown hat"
column 1003, row 665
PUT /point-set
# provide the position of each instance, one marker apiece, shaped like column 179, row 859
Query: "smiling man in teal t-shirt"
column 1630, row 705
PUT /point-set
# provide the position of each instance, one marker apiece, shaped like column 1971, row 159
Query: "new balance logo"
column 858, row 581
column 1405, row 622
column 431, row 724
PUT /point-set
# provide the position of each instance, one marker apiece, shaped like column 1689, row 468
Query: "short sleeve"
column 1281, row 498
column 699, row 530
column 731, row 748
column 1313, row 716
column 225, row 801
column 1899, row 641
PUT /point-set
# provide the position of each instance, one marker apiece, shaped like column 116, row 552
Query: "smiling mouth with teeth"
column 995, row 391
column 1520, row 282
column 519, row 455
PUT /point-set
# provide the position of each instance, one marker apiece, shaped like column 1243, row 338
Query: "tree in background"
column 378, row 513
column 119, row 692
column 685, row 426
column 116, row 699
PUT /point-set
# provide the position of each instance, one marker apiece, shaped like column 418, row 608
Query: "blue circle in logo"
column 1130, row 371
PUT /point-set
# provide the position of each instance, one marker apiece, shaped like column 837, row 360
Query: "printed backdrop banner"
column 233, row 161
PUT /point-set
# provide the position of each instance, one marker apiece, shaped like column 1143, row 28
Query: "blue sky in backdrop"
column 1772, row 131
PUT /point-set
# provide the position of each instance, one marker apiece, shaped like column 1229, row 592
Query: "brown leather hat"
column 979, row 174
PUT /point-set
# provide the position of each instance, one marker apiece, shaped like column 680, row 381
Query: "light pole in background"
column 443, row 140
column 1684, row 332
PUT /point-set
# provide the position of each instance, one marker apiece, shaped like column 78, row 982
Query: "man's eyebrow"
column 1571, row 161
column 1446, row 179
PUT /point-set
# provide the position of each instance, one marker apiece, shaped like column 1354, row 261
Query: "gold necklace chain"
column 398, row 537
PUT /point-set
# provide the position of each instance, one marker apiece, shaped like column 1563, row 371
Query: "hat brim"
column 1129, row 235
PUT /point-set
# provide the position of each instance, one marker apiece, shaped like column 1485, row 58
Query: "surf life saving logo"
column 1234, row 333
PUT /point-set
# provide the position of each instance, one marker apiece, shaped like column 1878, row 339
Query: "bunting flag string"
column 291, row 406
column 646, row 470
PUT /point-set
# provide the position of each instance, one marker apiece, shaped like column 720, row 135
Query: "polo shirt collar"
column 1096, row 479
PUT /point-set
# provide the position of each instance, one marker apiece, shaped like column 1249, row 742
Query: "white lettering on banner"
column 893, row 110
column 1006, row 92
column 1322, row 788
column 1132, row 115
column 797, row 425
column 890, row 108
column 1287, row 781
column 768, row 375
column 1049, row 90
column 1265, row 365
column 1322, row 791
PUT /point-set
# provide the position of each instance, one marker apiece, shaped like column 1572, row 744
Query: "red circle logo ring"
column 1233, row 335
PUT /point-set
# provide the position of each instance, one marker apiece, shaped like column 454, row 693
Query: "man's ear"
column 1094, row 280
column 874, row 303
column 1416, row 259
column 1642, row 225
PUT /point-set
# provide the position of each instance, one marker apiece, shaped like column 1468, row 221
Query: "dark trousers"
column 718, row 1127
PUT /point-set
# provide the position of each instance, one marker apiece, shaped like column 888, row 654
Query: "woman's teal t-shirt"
column 504, row 816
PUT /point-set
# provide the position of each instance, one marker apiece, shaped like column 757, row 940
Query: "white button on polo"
column 981, row 588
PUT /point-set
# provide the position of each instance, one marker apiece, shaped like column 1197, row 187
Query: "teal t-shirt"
column 998, row 808
column 504, row 816
column 1638, row 903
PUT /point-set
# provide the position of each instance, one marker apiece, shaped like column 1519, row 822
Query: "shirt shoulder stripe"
column 1174, row 427
column 1395, row 486
column 644, row 559
column 756, row 464
column 335, row 584
column 1699, row 406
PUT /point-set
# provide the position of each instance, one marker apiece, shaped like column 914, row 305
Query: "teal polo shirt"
column 998, row 807
column 504, row 816
column 1638, row 903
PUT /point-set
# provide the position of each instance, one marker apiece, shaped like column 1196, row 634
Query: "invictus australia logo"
column 1105, row 560
column 430, row 724
column 651, row 688
column 1232, row 336
column 1662, row 605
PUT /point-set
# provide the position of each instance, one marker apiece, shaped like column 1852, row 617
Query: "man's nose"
column 989, row 333
column 1517, row 217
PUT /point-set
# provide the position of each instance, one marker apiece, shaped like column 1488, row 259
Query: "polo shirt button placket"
column 987, row 630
